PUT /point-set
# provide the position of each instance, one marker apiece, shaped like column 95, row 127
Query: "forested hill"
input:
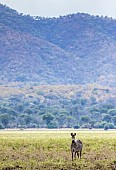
column 73, row 49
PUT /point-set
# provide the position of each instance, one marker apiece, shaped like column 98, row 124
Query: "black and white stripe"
column 76, row 146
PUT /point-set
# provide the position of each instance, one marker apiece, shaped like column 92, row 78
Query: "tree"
column 52, row 125
column 85, row 119
column 112, row 112
column 70, row 121
column 106, row 127
column 106, row 118
column 114, row 120
column 76, row 126
column 25, row 119
column 62, row 120
column 1, row 126
column 48, row 117
column 5, row 119
column 100, row 124
column 28, row 111
column 110, row 125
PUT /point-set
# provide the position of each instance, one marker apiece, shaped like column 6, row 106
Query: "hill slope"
column 31, row 59
column 67, row 50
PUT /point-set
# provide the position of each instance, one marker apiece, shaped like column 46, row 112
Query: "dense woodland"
column 57, row 106
column 57, row 72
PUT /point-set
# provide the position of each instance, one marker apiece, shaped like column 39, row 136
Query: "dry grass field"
column 50, row 150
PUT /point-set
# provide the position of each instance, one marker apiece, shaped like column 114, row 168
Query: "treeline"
column 57, row 108
column 43, row 27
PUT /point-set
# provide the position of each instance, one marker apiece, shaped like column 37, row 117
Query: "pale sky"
column 55, row 8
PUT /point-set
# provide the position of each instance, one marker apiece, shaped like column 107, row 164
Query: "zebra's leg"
column 72, row 156
column 75, row 155
column 80, row 153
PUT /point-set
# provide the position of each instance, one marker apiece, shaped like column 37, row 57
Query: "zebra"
column 76, row 147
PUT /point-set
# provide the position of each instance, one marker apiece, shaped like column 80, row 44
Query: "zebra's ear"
column 75, row 134
column 71, row 134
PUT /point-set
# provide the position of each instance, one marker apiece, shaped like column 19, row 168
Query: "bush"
column 1, row 126
column 106, row 127
column 85, row 119
column 52, row 125
column 111, row 126
column 22, row 126
column 76, row 126
column 106, row 117
column 112, row 112
column 101, row 124
column 114, row 120
column 86, row 126
column 32, row 125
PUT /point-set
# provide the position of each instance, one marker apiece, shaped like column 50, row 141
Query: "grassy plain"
column 50, row 150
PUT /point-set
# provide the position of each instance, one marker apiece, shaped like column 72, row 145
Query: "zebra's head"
column 73, row 136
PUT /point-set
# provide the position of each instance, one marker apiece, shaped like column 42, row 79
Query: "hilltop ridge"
column 73, row 49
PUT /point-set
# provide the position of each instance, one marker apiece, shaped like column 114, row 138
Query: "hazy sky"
column 50, row 8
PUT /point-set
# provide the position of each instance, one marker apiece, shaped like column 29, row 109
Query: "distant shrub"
column 32, row 125
column 85, row 119
column 77, row 126
column 106, row 117
column 86, row 126
column 112, row 112
column 22, row 126
column 52, row 125
column 111, row 126
column 1, row 126
column 114, row 120
column 106, row 127
column 101, row 124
